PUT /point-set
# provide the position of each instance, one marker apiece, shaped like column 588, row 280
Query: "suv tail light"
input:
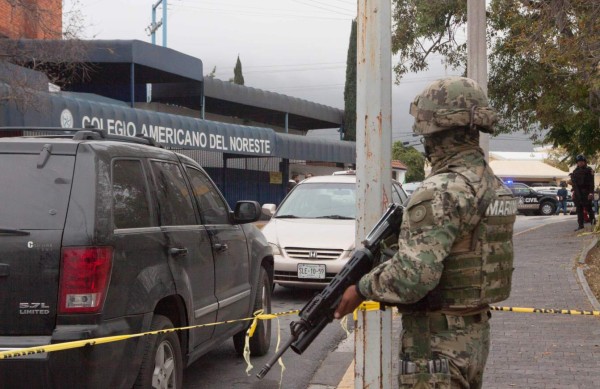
column 84, row 278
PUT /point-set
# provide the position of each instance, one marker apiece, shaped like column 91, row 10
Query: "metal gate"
column 243, row 178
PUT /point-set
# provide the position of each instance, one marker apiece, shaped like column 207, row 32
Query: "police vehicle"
column 532, row 202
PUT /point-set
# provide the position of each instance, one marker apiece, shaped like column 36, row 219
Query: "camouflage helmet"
column 452, row 102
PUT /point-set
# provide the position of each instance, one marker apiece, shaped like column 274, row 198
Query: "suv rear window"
column 34, row 198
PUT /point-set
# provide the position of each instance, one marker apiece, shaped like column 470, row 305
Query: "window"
column 32, row 197
column 320, row 200
column 173, row 196
column 520, row 190
column 131, row 208
column 213, row 209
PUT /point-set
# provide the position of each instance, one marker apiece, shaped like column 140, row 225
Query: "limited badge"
column 418, row 213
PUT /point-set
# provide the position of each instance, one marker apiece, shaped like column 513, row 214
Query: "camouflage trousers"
column 463, row 341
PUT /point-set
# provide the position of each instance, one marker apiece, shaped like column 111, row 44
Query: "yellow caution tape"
column 280, row 361
column 258, row 315
column 249, row 334
column 21, row 352
column 344, row 324
column 373, row 306
column 546, row 310
column 369, row 306
column 366, row 306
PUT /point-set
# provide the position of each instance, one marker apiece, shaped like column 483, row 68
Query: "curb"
column 581, row 275
column 333, row 372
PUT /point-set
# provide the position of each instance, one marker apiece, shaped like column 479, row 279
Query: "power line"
column 312, row 87
column 292, row 65
column 322, row 6
column 351, row 3
column 320, row 86
column 228, row 7
column 253, row 12
column 286, row 70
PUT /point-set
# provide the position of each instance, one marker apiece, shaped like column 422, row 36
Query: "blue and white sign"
column 168, row 129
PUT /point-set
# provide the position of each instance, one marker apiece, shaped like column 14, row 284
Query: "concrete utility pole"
column 477, row 55
column 151, row 29
column 373, row 348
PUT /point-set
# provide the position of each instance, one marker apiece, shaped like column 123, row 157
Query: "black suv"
column 532, row 201
column 104, row 235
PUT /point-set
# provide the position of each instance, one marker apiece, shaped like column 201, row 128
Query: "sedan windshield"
column 320, row 200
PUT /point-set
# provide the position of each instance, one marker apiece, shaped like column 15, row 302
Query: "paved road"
column 222, row 368
column 545, row 350
column 525, row 223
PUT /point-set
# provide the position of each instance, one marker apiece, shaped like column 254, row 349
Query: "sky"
column 293, row 47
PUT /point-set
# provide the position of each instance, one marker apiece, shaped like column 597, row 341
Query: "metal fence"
column 243, row 178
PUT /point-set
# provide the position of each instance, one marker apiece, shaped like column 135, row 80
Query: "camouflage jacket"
column 438, row 213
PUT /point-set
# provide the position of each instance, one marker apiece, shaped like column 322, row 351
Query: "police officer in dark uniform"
column 583, row 189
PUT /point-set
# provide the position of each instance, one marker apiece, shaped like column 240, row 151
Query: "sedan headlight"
column 275, row 248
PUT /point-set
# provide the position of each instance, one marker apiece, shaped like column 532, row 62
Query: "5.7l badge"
column 34, row 309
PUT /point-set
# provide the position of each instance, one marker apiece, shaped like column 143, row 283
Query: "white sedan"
column 312, row 233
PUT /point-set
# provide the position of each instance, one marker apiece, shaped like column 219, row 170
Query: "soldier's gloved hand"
column 350, row 300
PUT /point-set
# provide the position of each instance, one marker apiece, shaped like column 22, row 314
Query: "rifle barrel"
column 272, row 361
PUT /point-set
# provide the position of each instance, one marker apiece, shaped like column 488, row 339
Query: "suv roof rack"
column 87, row 133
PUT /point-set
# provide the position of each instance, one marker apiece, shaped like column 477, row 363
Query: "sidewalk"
column 527, row 350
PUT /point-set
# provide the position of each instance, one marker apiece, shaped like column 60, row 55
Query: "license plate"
column 309, row 270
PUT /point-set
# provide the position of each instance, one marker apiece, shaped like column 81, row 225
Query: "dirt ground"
column 592, row 274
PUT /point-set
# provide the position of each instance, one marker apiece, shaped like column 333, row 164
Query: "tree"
column 350, row 88
column 212, row 73
column 412, row 158
column 422, row 29
column 238, row 77
column 553, row 49
column 39, row 20
column 544, row 61
column 557, row 159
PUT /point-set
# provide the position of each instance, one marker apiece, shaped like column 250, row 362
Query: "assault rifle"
column 318, row 312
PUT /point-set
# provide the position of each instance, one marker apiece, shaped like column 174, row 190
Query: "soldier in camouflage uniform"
column 455, row 248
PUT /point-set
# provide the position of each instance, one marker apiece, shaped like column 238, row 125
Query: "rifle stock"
column 318, row 312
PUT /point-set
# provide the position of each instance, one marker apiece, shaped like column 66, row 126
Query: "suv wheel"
column 547, row 208
column 162, row 366
column 261, row 340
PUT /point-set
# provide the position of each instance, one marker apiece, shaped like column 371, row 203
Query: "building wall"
column 35, row 19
